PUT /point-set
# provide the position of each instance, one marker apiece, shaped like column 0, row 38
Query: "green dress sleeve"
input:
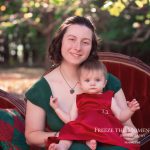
column 39, row 94
column 113, row 83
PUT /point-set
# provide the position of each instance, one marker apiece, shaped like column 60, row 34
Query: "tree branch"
column 135, row 38
column 34, row 24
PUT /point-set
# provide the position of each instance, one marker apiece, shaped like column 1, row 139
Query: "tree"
column 124, row 25
column 128, row 27
column 35, row 18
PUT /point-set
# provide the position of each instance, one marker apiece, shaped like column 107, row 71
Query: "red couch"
column 135, row 79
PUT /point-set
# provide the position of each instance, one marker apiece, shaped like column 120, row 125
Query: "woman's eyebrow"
column 87, row 39
column 71, row 35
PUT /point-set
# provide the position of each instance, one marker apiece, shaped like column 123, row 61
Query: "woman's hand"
column 130, row 134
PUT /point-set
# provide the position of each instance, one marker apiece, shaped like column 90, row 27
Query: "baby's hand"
column 133, row 105
column 53, row 102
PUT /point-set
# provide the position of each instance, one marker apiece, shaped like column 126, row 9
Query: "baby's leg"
column 65, row 144
column 62, row 145
column 92, row 144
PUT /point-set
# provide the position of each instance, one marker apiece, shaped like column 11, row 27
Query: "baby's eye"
column 87, row 80
column 97, row 80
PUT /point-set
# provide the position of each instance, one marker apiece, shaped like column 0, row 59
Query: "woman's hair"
column 55, row 47
column 92, row 64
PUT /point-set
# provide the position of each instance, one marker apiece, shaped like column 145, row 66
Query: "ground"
column 18, row 80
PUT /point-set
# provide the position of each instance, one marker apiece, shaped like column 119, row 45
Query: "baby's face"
column 92, row 81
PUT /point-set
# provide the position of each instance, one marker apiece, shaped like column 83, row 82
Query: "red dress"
column 95, row 121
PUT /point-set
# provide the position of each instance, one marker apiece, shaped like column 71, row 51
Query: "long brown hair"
column 55, row 46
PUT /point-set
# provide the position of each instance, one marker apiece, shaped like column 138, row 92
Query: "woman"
column 74, row 42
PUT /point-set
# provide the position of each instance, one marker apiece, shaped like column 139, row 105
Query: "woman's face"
column 76, row 44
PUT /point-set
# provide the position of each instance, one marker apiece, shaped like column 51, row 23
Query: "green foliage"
column 11, row 6
column 24, row 22
column 117, row 29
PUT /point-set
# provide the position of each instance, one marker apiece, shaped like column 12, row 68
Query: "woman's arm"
column 35, row 125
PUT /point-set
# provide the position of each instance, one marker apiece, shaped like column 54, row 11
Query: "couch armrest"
column 8, row 100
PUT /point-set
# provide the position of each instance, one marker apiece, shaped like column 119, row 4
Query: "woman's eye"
column 86, row 43
column 71, row 39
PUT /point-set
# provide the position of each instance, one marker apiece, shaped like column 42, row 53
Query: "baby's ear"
column 79, row 84
column 105, row 82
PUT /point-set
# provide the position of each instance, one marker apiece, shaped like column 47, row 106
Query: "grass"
column 18, row 80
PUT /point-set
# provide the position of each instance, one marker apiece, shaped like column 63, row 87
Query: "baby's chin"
column 92, row 92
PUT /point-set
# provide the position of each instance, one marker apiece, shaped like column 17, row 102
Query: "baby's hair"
column 92, row 64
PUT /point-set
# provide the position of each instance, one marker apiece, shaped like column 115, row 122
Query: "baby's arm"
column 124, row 115
column 65, row 117
column 133, row 105
column 74, row 111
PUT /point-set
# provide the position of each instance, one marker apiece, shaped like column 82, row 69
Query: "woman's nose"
column 77, row 45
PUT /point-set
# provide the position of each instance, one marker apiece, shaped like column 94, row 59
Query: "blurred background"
column 27, row 27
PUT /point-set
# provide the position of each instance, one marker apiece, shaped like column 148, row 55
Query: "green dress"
column 39, row 94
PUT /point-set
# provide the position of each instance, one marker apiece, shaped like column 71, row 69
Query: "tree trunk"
column 47, row 61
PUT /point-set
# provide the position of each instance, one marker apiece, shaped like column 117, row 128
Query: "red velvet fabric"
column 135, row 84
column 5, row 104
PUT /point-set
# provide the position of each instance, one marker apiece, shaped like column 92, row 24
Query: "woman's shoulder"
column 40, row 84
column 39, row 93
column 50, row 76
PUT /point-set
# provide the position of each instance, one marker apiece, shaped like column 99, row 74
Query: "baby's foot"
column 92, row 144
column 52, row 146
column 55, row 146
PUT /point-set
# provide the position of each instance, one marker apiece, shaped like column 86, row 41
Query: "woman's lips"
column 76, row 54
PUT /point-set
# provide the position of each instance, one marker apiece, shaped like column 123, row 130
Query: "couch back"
column 135, row 80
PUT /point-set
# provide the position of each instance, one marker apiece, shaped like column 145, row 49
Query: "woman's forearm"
column 35, row 126
column 38, row 138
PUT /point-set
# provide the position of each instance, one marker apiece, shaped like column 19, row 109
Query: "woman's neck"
column 69, row 71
